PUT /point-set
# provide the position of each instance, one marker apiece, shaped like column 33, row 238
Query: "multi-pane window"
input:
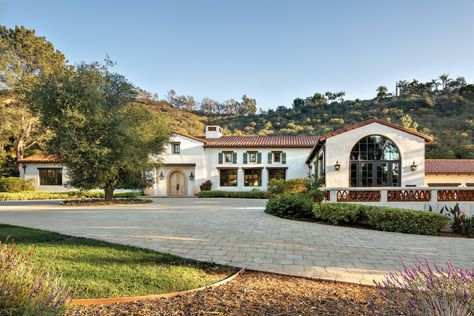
column 228, row 177
column 277, row 156
column 51, row 176
column 252, row 177
column 228, row 156
column 276, row 174
column 375, row 162
column 176, row 148
column 252, row 157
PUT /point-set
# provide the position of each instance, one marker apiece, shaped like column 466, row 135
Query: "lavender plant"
column 25, row 292
column 426, row 289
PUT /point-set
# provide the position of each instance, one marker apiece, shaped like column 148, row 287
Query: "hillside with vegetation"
column 442, row 108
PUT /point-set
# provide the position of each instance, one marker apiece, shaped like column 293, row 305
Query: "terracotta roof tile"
column 40, row 159
column 262, row 141
column 449, row 166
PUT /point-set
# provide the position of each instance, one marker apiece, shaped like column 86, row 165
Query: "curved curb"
column 128, row 299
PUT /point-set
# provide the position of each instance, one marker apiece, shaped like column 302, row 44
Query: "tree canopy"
column 102, row 137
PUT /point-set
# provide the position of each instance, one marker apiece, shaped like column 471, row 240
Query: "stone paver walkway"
column 237, row 232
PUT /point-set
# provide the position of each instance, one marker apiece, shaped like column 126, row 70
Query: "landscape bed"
column 97, row 269
column 40, row 195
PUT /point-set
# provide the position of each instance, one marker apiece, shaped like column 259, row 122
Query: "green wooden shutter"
column 283, row 158
column 234, row 158
column 270, row 157
column 221, row 158
column 259, row 157
column 245, row 158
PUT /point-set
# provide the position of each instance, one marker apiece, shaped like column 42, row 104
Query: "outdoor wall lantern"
column 337, row 166
column 161, row 176
column 414, row 166
column 191, row 176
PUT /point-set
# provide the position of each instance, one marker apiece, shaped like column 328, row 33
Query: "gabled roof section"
column 262, row 142
column 42, row 158
column 322, row 139
column 383, row 122
column 449, row 166
column 191, row 137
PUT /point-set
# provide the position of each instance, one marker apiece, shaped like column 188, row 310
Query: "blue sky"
column 272, row 50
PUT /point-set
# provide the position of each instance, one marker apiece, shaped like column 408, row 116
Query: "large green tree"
column 24, row 56
column 103, row 138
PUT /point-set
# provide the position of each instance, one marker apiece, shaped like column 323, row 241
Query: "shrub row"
column 254, row 194
column 301, row 206
column 38, row 195
column 381, row 217
column 13, row 184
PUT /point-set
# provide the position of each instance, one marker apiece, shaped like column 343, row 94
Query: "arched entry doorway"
column 375, row 161
column 177, row 185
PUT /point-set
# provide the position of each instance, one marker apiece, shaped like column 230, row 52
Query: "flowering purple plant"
column 24, row 291
column 426, row 289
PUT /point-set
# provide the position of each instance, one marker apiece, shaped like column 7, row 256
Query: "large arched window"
column 375, row 162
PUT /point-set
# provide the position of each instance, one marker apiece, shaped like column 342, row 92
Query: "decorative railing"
column 358, row 196
column 455, row 195
column 408, row 195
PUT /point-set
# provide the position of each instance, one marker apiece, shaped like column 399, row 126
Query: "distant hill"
column 447, row 117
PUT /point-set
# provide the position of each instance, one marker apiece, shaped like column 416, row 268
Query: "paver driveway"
column 239, row 233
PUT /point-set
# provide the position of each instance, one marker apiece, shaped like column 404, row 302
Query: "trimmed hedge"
column 381, row 217
column 254, row 194
column 13, row 184
column 336, row 213
column 405, row 221
column 290, row 206
column 39, row 195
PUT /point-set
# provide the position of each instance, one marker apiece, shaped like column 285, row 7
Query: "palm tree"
column 444, row 81
column 382, row 92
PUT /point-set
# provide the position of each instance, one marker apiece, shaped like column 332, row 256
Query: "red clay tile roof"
column 40, row 159
column 262, row 141
column 449, row 166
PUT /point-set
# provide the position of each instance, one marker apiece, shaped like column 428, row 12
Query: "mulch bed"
column 254, row 293
column 91, row 202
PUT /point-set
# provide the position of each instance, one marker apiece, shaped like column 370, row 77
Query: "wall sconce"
column 337, row 166
column 161, row 176
column 414, row 166
column 191, row 176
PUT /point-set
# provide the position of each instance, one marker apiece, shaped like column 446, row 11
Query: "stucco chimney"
column 213, row 131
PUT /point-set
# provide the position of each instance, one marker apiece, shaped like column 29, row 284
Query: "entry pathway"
column 237, row 232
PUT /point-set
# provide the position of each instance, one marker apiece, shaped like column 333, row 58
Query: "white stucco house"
column 374, row 154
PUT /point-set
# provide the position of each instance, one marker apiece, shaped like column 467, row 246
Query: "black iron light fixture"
column 191, row 176
column 414, row 166
column 337, row 166
column 161, row 176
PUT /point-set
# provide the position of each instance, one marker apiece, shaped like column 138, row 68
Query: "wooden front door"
column 177, row 184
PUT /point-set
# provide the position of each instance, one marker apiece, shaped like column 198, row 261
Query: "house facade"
column 372, row 154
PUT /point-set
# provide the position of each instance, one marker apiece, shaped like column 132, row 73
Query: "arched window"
column 375, row 162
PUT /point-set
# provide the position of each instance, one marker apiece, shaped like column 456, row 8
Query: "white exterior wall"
column 462, row 179
column 295, row 162
column 32, row 172
column 191, row 152
column 338, row 149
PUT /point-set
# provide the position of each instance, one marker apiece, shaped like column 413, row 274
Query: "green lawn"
column 96, row 269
